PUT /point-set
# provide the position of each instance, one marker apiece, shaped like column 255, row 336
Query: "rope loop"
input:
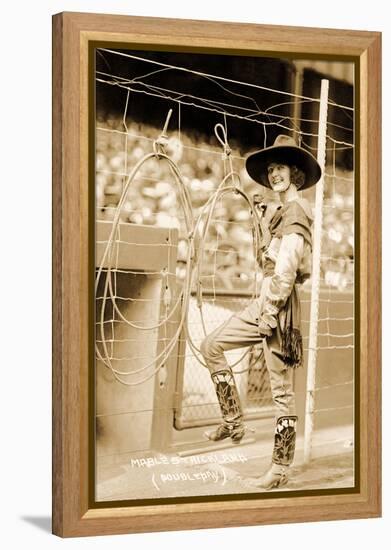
column 223, row 140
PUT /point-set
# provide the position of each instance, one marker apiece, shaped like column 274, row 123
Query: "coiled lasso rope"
column 222, row 190
column 183, row 296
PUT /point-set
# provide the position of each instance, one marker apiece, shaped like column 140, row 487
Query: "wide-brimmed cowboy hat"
column 283, row 151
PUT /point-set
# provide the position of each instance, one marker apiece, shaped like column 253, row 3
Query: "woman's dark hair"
column 297, row 177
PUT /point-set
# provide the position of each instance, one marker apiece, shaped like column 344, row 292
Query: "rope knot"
column 223, row 140
column 227, row 152
column 160, row 144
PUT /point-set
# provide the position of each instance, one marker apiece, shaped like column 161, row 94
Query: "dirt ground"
column 223, row 470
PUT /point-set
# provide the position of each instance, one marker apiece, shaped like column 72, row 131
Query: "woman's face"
column 279, row 176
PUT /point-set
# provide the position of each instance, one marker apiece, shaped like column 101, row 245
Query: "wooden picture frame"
column 73, row 514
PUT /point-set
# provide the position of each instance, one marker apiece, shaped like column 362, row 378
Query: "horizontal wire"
column 190, row 104
column 210, row 249
column 190, row 355
column 317, row 348
column 216, row 77
column 139, row 357
column 332, row 386
column 190, row 147
column 139, row 178
column 190, row 96
column 331, row 335
column 228, row 301
column 233, row 115
column 327, row 319
column 139, row 244
column 314, row 121
column 211, row 404
column 98, row 323
column 175, row 217
column 342, row 178
column 254, row 112
column 331, row 409
column 138, row 272
column 339, row 208
column 216, row 152
column 149, row 300
column 120, row 340
column 329, row 301
column 201, row 150
column 214, row 404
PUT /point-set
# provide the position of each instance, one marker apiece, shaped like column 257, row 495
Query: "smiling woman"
column 279, row 176
column 273, row 319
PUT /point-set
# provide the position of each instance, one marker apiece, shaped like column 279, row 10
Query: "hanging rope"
column 209, row 208
column 108, row 254
column 230, row 183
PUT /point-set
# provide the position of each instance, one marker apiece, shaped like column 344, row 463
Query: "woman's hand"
column 263, row 328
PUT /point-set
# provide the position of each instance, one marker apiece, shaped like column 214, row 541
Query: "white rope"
column 108, row 254
column 210, row 205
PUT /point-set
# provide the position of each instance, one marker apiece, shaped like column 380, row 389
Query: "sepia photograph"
column 225, row 310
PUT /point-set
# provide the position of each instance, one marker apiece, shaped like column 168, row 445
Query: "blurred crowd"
column 152, row 199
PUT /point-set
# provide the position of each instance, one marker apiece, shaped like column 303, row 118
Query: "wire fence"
column 169, row 188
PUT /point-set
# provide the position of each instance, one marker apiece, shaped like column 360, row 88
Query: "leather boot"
column 283, row 454
column 228, row 398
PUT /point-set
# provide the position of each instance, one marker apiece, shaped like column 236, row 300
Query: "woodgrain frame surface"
column 72, row 514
